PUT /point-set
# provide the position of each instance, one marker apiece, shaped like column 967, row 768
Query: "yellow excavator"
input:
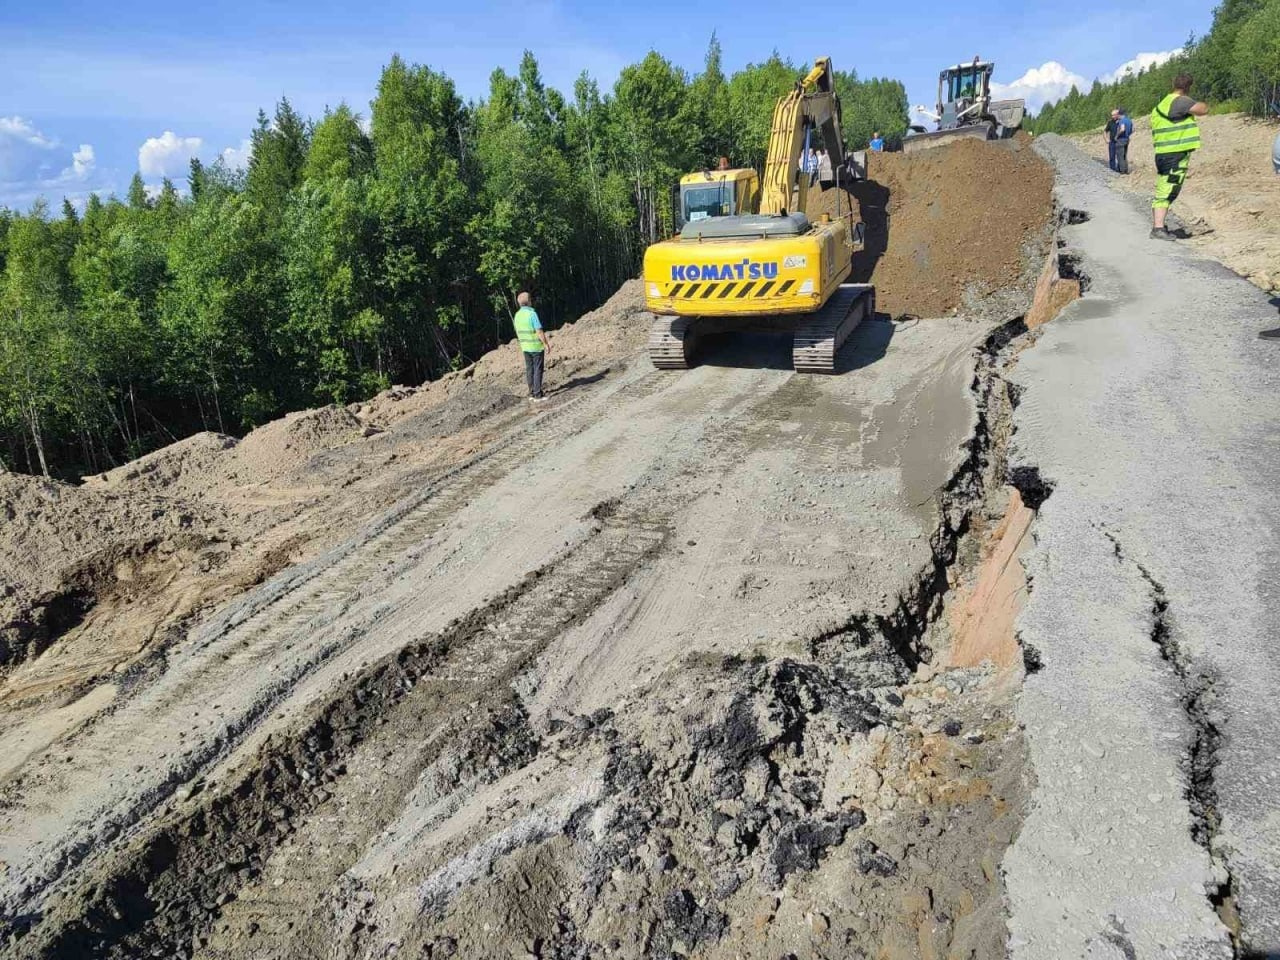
column 735, row 264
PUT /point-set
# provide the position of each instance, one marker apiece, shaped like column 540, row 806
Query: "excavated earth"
column 948, row 230
column 713, row 664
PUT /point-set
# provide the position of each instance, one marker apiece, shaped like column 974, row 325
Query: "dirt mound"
column 162, row 469
column 283, row 446
column 59, row 546
column 946, row 227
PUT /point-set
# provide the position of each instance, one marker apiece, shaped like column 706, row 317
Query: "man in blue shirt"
column 533, row 344
column 1124, row 131
column 1113, row 125
column 877, row 142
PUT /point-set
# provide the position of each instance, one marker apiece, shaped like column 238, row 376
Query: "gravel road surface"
column 1150, row 406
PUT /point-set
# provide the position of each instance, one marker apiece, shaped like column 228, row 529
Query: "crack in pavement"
column 1200, row 703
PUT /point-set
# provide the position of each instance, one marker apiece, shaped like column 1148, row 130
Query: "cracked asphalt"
column 1150, row 405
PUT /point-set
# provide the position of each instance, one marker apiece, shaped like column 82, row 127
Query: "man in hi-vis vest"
column 1174, row 134
column 533, row 343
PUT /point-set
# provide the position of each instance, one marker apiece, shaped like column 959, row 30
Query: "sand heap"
column 940, row 234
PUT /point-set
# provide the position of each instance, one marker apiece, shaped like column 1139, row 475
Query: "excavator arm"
column 813, row 103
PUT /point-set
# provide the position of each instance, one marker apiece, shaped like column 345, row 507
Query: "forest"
column 1236, row 67
column 354, row 252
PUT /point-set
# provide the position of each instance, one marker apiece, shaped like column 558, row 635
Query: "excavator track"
column 820, row 335
column 671, row 342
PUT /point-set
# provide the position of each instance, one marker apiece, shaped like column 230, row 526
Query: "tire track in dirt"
column 255, row 636
column 312, row 610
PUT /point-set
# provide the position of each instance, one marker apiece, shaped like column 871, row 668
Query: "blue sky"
column 147, row 86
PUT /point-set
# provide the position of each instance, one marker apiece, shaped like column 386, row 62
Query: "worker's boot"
column 1160, row 233
column 1272, row 334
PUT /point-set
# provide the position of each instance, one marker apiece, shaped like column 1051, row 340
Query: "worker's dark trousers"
column 1122, row 156
column 533, row 372
column 1111, row 154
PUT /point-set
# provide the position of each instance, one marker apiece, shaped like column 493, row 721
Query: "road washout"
column 701, row 701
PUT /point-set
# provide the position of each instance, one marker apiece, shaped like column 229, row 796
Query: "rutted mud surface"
column 662, row 670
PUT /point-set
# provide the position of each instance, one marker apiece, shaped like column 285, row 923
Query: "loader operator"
column 1175, row 135
column 533, row 344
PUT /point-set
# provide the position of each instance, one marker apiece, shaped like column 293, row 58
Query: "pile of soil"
column 60, row 546
column 940, row 234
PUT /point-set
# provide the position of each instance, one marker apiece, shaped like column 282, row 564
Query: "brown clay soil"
column 947, row 228
column 660, row 668
column 1231, row 201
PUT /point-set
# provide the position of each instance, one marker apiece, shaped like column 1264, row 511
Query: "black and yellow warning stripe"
column 736, row 289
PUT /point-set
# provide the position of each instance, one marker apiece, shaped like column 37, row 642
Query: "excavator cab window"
column 699, row 201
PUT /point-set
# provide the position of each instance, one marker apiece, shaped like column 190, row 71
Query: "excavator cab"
column 717, row 193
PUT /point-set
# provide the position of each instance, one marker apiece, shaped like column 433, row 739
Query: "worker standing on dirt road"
column 1175, row 136
column 1124, row 131
column 1113, row 124
column 826, row 176
column 533, row 344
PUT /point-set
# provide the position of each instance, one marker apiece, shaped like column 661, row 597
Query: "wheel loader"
column 965, row 109
column 742, row 264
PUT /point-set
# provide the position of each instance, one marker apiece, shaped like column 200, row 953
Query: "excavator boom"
column 812, row 103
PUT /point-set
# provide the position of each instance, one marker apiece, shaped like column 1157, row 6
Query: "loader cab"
column 717, row 193
column 960, row 87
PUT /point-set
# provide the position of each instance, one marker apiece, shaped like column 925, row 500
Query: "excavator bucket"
column 915, row 142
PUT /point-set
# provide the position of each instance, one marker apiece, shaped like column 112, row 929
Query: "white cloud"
column 82, row 163
column 167, row 155
column 29, row 168
column 23, row 130
column 1040, row 85
column 1051, row 81
column 1142, row 61
column 25, row 153
column 237, row 158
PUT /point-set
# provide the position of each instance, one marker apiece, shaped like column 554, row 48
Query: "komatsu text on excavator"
column 747, row 256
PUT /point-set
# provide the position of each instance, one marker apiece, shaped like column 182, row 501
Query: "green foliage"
column 753, row 91
column 867, row 106
column 348, row 257
column 1256, row 67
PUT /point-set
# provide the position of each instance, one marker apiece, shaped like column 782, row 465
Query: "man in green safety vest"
column 1175, row 134
column 533, row 343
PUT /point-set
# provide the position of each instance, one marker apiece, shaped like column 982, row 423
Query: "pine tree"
column 138, row 194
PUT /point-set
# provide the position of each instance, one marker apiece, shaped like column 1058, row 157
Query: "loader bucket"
column 916, row 142
column 1008, row 113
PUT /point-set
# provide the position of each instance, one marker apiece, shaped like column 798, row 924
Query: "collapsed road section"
column 718, row 664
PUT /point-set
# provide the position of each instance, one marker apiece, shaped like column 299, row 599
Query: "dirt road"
column 1150, row 404
column 622, row 679
column 718, row 663
column 1231, row 201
